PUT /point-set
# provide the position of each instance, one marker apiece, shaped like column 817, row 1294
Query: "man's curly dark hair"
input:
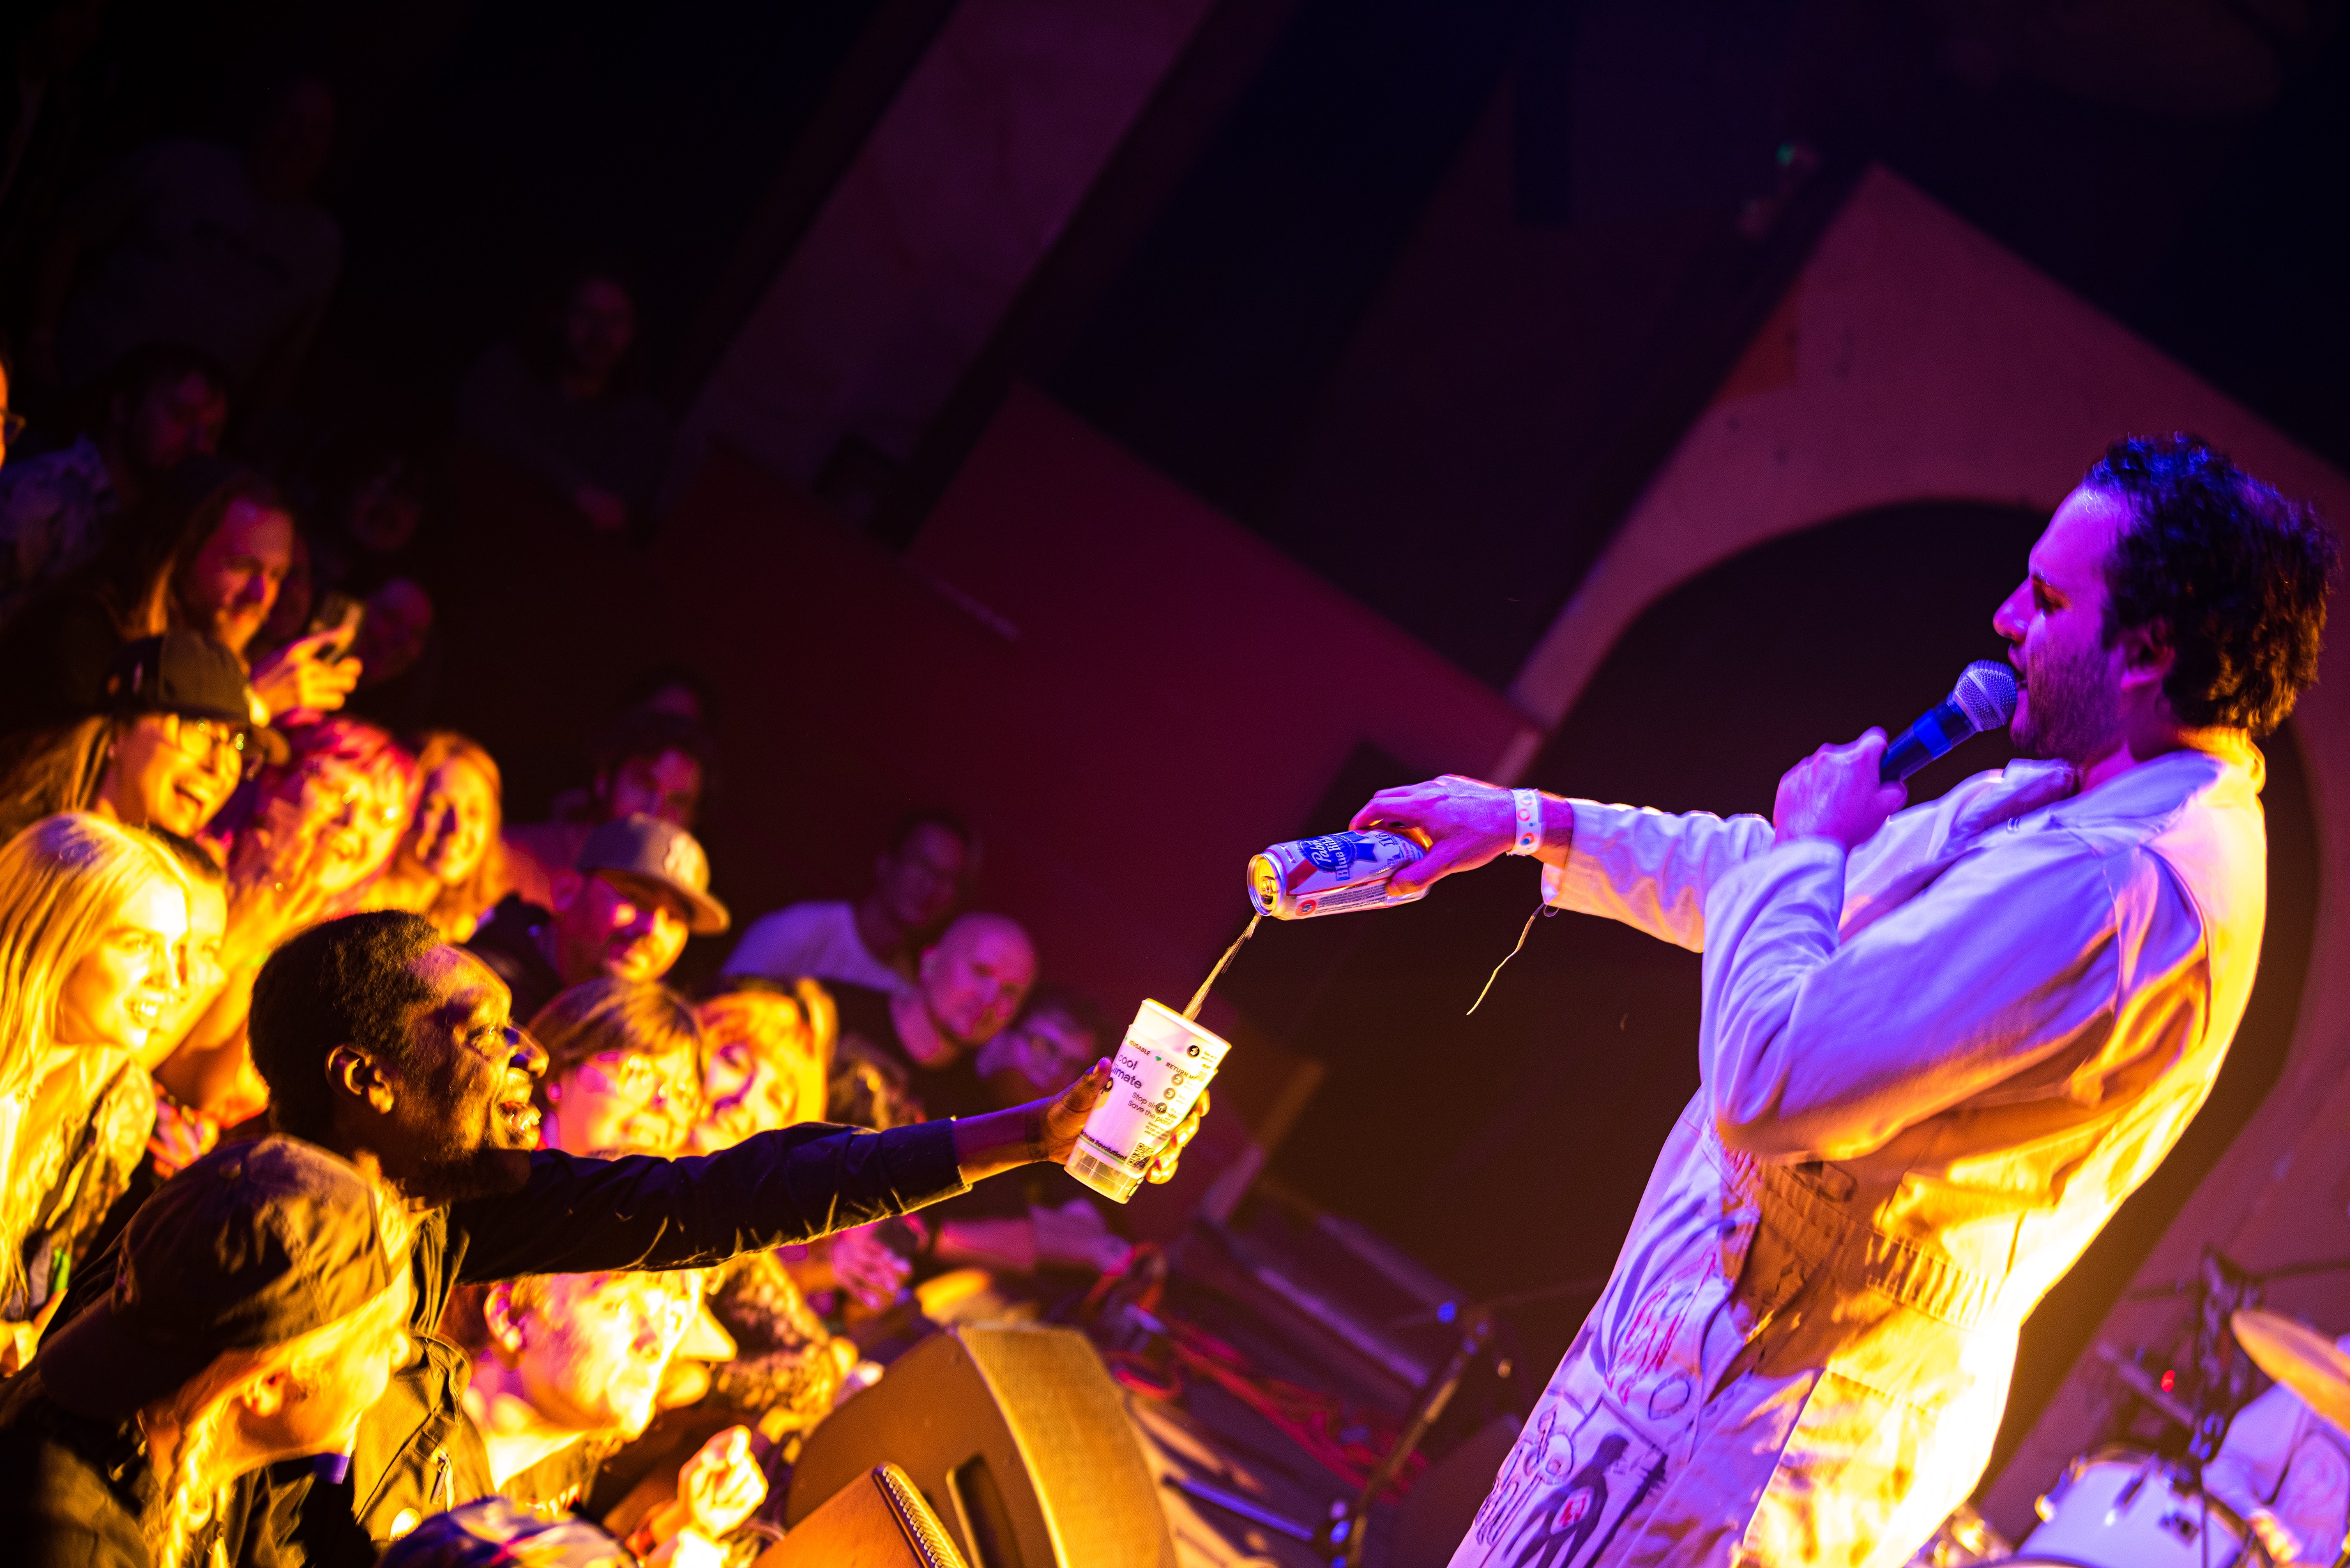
column 2234, row 574
column 351, row 981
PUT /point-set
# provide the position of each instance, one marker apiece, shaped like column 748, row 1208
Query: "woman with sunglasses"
column 172, row 736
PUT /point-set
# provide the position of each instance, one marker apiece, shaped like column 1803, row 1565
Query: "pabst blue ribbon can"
column 1330, row 875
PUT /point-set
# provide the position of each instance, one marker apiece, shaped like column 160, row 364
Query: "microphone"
column 1984, row 699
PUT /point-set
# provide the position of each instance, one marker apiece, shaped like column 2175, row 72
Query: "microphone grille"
column 1986, row 694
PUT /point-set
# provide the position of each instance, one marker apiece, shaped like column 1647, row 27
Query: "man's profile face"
column 467, row 1103
column 922, row 881
column 619, row 926
column 2069, row 705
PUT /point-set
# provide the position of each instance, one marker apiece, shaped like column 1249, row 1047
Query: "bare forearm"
column 999, row 1141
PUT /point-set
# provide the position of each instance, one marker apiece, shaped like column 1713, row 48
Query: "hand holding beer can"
column 1331, row 874
column 1162, row 1065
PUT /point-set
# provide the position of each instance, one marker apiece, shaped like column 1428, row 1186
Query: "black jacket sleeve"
column 578, row 1215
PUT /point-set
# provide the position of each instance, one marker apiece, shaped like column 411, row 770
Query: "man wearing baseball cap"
column 643, row 888
column 260, row 1303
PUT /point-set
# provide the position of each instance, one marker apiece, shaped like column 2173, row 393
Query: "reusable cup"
column 1161, row 1066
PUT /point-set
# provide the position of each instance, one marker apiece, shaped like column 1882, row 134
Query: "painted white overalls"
column 1932, row 1069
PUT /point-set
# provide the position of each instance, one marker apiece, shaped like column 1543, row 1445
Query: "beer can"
column 1331, row 874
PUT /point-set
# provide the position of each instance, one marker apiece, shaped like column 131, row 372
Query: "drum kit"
column 2129, row 1506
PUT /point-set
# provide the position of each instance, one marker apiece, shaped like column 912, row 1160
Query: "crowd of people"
column 341, row 1119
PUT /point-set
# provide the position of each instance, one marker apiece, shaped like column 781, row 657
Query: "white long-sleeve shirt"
column 1932, row 1068
column 2282, row 1460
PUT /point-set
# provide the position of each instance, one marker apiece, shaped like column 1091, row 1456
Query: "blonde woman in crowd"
column 449, row 866
column 93, row 920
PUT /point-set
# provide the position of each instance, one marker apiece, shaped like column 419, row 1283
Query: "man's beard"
column 457, row 1167
column 2071, row 707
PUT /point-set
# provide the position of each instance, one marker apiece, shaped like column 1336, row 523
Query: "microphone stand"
column 1336, row 1541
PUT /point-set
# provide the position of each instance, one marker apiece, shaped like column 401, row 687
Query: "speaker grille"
column 1066, row 1418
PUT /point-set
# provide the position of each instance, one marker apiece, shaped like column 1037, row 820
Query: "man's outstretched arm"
column 575, row 1215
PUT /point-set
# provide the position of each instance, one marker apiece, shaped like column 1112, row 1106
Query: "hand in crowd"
column 1462, row 822
column 867, row 1267
column 717, row 1489
column 1064, row 1116
column 297, row 677
column 1835, row 794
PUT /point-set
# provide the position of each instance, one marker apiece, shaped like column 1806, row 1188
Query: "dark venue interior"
column 582, row 586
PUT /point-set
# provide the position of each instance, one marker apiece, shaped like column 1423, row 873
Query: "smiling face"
column 619, row 1100
column 454, row 823
column 115, row 993
column 465, row 1106
column 227, row 589
column 975, row 981
column 359, row 814
column 619, row 926
column 763, row 1072
column 170, row 771
column 2069, row 706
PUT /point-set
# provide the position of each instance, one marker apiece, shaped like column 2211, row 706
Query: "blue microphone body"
column 1984, row 699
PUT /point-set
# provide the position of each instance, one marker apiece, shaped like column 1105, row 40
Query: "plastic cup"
column 1161, row 1066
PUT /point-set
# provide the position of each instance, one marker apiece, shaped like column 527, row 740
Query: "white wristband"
column 1528, row 806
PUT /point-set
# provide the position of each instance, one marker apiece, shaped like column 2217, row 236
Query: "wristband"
column 1527, row 803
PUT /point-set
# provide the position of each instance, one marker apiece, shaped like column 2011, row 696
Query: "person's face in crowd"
column 2069, row 705
column 391, row 638
column 358, row 814
column 590, row 1358
column 459, row 1115
column 291, row 144
column 598, row 327
column 1048, row 1051
column 228, row 588
column 199, row 968
column 618, row 1100
column 384, row 513
column 171, row 422
column 667, row 787
column 451, row 830
column 974, row 980
column 170, row 770
column 115, row 993
column 314, row 1406
column 761, row 1069
column 922, row 882
column 620, row 926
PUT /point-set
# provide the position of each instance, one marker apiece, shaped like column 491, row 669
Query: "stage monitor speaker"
column 878, row 1521
column 1016, row 1436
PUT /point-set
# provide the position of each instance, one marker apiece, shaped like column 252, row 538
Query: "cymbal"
column 2301, row 1358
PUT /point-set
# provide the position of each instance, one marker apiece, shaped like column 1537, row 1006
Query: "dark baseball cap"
column 253, row 1245
column 187, row 673
column 660, row 852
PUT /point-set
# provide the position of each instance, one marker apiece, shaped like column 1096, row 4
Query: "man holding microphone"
column 1938, row 1045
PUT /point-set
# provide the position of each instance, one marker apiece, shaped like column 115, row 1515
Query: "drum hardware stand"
column 1336, row 1541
